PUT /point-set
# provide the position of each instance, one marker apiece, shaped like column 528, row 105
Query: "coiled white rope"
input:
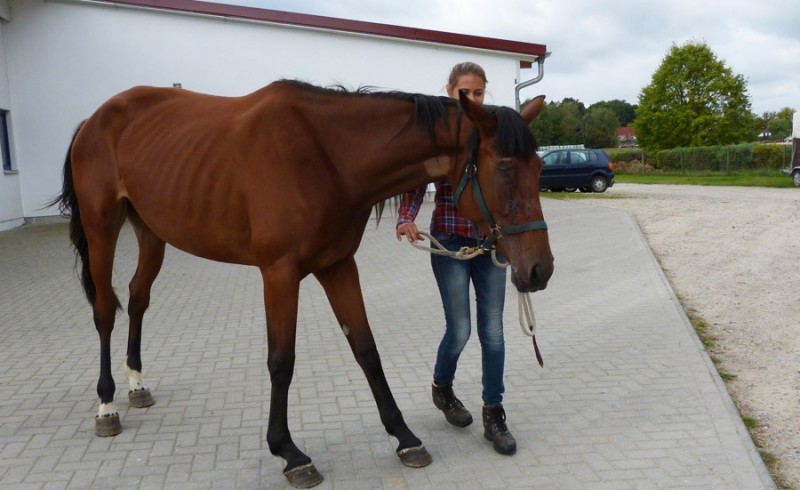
column 464, row 253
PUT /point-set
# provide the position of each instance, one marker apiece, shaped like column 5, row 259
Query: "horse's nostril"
column 535, row 277
column 539, row 277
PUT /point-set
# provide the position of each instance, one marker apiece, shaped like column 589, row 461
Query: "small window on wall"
column 5, row 142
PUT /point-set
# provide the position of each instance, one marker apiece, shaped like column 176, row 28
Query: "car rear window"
column 583, row 157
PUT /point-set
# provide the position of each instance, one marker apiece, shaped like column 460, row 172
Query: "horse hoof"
column 141, row 398
column 305, row 476
column 107, row 425
column 415, row 457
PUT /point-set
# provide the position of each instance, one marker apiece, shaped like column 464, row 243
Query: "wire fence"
column 713, row 159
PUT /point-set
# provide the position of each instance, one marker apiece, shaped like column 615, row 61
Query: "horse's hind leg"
column 151, row 256
column 343, row 289
column 101, row 235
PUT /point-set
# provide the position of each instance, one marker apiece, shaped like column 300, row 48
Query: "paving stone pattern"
column 627, row 399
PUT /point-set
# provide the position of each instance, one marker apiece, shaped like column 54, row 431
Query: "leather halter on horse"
column 471, row 175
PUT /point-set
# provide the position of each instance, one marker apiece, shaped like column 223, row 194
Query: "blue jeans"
column 453, row 278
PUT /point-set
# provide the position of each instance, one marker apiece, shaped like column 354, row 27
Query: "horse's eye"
column 505, row 165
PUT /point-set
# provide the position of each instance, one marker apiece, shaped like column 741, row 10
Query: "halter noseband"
column 471, row 175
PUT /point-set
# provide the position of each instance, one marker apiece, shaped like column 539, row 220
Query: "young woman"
column 453, row 277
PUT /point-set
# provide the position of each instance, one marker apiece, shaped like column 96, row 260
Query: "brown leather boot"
column 446, row 401
column 495, row 430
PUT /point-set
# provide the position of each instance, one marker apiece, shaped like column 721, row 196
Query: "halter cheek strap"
column 470, row 176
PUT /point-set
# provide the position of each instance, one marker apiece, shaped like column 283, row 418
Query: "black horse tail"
column 67, row 203
column 394, row 204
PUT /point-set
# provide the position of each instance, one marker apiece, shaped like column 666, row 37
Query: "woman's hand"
column 411, row 232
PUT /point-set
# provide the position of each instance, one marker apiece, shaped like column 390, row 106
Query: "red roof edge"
column 345, row 25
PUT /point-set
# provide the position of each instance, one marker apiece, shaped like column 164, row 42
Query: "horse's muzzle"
column 533, row 279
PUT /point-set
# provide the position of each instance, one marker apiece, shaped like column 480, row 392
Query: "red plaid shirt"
column 445, row 219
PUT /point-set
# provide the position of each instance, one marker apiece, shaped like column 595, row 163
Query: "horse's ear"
column 479, row 116
column 533, row 109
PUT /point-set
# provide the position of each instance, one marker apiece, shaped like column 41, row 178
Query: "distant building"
column 626, row 137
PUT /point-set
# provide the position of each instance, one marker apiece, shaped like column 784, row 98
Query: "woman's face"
column 472, row 85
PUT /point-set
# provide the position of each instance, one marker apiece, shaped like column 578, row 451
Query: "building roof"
column 626, row 132
column 527, row 50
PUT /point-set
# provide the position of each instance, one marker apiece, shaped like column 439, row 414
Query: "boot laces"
column 499, row 421
column 454, row 403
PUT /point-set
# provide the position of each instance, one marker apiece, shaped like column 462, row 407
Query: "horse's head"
column 498, row 188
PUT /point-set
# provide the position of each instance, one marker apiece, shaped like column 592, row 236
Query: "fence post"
column 727, row 160
column 642, row 162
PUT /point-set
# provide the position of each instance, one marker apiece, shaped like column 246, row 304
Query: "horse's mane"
column 513, row 137
column 429, row 110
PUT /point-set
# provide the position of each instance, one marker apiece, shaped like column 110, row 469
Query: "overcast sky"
column 605, row 50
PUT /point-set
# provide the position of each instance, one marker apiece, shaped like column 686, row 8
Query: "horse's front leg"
column 343, row 289
column 281, row 289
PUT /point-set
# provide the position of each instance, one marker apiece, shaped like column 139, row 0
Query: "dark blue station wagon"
column 572, row 169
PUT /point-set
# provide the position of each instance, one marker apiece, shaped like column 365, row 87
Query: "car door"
column 555, row 164
column 579, row 170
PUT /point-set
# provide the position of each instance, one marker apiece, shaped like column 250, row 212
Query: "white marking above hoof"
column 107, row 410
column 135, row 379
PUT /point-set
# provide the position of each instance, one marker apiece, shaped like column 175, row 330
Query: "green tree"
column 559, row 123
column 783, row 123
column 786, row 113
column 693, row 100
column 570, row 118
column 569, row 123
column 779, row 128
column 775, row 125
column 600, row 128
column 625, row 112
column 761, row 123
column 543, row 127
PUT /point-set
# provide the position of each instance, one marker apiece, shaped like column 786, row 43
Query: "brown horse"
column 285, row 179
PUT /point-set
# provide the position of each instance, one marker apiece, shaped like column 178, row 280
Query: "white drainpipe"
column 527, row 83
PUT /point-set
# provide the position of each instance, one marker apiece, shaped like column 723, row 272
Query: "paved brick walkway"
column 628, row 399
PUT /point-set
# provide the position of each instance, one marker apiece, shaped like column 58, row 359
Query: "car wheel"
column 796, row 178
column 599, row 183
column 570, row 189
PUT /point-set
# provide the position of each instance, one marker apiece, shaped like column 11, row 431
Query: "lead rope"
column 529, row 325
column 527, row 320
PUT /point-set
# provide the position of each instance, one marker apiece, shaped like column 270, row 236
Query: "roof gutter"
column 210, row 8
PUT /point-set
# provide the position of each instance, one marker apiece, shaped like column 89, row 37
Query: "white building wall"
column 10, row 198
column 66, row 57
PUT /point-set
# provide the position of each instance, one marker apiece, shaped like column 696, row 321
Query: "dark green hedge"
column 771, row 156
